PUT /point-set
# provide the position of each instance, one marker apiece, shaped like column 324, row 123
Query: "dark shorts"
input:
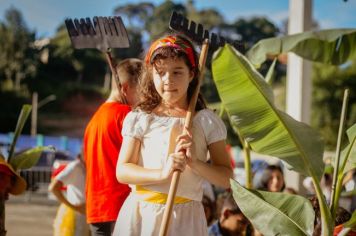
column 102, row 228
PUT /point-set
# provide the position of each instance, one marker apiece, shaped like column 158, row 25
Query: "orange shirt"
column 101, row 146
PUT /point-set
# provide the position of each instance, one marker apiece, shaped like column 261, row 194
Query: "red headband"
column 174, row 42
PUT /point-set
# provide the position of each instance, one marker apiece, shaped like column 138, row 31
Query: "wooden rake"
column 209, row 42
column 103, row 33
column 198, row 34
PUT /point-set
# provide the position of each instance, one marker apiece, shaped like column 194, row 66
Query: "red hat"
column 19, row 185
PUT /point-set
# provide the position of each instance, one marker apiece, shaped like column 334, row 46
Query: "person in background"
column 102, row 144
column 231, row 221
column 70, row 219
column 342, row 216
column 10, row 183
column 290, row 190
column 209, row 209
column 271, row 179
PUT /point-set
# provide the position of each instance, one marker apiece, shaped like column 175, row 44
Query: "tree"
column 18, row 58
column 329, row 83
column 135, row 17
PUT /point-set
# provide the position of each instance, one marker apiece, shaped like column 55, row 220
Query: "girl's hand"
column 80, row 208
column 184, row 144
column 176, row 161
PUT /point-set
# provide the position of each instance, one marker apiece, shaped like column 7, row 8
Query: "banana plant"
column 347, row 163
column 275, row 213
column 243, row 83
column 20, row 161
column 248, row 100
column 334, row 46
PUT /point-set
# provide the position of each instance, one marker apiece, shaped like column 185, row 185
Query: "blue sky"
column 46, row 15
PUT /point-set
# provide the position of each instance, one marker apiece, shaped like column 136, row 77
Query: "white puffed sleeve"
column 213, row 127
column 135, row 124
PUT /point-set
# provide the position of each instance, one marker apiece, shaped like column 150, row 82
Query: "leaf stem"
column 333, row 203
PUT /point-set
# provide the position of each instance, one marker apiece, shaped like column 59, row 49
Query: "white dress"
column 139, row 217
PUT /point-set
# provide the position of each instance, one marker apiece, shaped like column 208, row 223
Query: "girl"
column 271, row 179
column 153, row 146
column 70, row 219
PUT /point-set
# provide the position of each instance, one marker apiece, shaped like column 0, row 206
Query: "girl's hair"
column 149, row 97
column 266, row 176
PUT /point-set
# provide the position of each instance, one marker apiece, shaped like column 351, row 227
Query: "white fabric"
column 139, row 218
column 154, row 133
column 142, row 218
column 208, row 190
column 73, row 175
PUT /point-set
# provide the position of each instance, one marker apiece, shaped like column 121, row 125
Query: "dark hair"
column 266, row 175
column 149, row 97
column 230, row 203
column 342, row 216
column 208, row 203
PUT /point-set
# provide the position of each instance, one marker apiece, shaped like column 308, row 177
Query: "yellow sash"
column 158, row 197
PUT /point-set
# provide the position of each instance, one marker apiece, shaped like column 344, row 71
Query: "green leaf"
column 248, row 100
column 28, row 158
column 334, row 46
column 348, row 193
column 270, row 73
column 348, row 155
column 275, row 213
column 25, row 111
column 351, row 223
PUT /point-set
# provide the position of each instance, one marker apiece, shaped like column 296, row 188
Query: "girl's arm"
column 55, row 188
column 128, row 171
column 219, row 171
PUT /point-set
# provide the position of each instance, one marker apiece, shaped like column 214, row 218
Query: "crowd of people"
column 137, row 139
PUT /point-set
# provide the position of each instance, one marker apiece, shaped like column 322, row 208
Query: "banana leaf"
column 335, row 46
column 351, row 223
column 348, row 193
column 348, row 155
column 275, row 213
column 25, row 112
column 270, row 73
column 248, row 100
column 28, row 158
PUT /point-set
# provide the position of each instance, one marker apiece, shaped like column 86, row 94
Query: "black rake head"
column 197, row 33
column 103, row 33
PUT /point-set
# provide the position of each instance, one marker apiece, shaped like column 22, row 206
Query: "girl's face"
column 276, row 182
column 171, row 77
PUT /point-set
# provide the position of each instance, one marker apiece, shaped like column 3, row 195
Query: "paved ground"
column 30, row 215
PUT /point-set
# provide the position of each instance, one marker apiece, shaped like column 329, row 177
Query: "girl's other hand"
column 176, row 161
column 80, row 208
column 184, row 144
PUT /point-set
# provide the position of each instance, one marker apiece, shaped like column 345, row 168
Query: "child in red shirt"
column 102, row 143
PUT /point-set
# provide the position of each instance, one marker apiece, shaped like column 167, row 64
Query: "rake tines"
column 197, row 33
column 103, row 33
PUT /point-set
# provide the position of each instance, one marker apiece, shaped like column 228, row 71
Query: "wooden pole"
column 112, row 66
column 187, row 123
